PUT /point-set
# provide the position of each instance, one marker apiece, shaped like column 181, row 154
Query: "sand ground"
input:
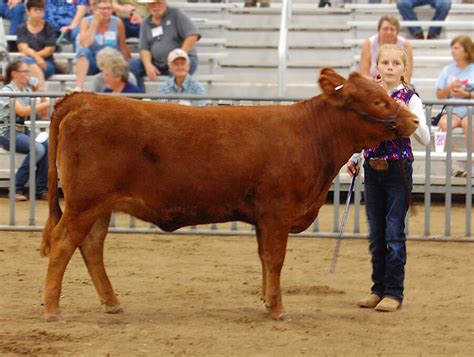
column 196, row 296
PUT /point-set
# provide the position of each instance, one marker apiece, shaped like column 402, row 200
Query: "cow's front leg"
column 272, row 241
column 92, row 250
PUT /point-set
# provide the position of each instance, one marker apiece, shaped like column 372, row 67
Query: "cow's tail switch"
column 55, row 212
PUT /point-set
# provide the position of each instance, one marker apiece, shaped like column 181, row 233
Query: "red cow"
column 175, row 166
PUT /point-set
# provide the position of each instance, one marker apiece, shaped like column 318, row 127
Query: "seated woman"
column 98, row 31
column 16, row 80
column 180, row 80
column 114, row 74
column 388, row 29
column 456, row 81
column 36, row 41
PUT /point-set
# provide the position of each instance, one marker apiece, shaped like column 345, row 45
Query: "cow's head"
column 369, row 102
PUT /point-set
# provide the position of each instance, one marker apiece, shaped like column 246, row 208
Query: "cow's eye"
column 379, row 102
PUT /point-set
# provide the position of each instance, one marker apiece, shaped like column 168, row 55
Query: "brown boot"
column 388, row 305
column 369, row 302
column 250, row 3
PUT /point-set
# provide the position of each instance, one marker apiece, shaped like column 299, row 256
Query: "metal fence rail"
column 449, row 187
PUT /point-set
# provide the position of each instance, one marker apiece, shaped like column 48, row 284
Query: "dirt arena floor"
column 199, row 296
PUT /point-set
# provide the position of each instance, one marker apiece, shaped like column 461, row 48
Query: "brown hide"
column 174, row 166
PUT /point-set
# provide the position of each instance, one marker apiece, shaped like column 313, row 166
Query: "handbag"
column 435, row 120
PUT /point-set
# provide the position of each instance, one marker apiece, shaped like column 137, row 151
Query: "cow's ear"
column 332, row 85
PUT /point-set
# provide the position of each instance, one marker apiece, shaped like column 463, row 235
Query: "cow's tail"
column 55, row 211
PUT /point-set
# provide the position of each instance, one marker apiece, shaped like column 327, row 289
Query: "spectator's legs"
column 16, row 15
column 442, row 8
column 193, row 64
column 23, row 147
column 464, row 123
column 136, row 67
column 85, row 64
column 42, row 171
column 405, row 8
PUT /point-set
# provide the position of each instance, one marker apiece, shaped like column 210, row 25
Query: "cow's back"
column 171, row 163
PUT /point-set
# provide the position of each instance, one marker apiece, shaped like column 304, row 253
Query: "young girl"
column 388, row 182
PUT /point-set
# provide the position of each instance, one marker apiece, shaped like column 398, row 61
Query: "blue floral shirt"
column 60, row 13
column 190, row 86
column 398, row 149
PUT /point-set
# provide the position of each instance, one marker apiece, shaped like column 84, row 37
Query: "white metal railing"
column 428, row 185
column 283, row 46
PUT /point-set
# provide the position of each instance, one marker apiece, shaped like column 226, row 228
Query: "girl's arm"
column 87, row 32
column 422, row 133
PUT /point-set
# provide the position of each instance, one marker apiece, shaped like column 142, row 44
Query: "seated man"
column 164, row 30
column 181, row 81
column 442, row 7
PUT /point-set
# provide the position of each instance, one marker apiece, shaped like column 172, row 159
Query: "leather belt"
column 378, row 164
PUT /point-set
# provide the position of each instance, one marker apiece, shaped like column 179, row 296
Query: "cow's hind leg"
column 272, row 240
column 65, row 238
column 92, row 250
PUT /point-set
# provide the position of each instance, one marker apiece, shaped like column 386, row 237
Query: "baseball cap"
column 177, row 53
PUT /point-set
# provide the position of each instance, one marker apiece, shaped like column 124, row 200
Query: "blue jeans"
column 442, row 7
column 16, row 15
column 23, row 173
column 137, row 68
column 91, row 57
column 48, row 72
column 386, row 203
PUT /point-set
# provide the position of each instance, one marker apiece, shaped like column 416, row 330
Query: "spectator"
column 36, row 42
column 388, row 30
column 98, row 31
column 132, row 13
column 164, row 30
column 442, row 7
column 253, row 3
column 456, row 81
column 181, row 81
column 65, row 16
column 104, row 57
column 13, row 10
column 16, row 80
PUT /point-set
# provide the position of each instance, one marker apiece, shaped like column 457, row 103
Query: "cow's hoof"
column 54, row 317
column 282, row 316
column 117, row 309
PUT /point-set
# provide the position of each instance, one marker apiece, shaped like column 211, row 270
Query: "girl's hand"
column 352, row 168
column 457, row 84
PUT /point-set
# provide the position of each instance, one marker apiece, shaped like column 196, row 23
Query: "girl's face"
column 21, row 75
column 458, row 52
column 388, row 33
column 391, row 67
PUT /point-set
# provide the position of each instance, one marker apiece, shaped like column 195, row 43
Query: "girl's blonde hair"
column 403, row 55
column 467, row 44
